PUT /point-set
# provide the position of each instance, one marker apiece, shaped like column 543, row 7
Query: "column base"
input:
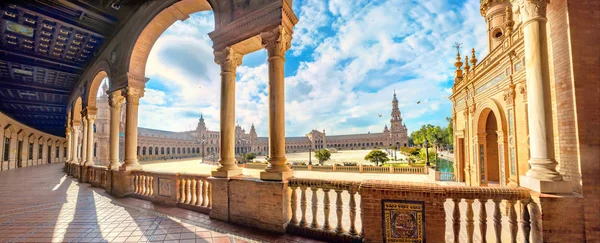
column 276, row 176
column 89, row 163
column 128, row 167
column 555, row 187
column 226, row 173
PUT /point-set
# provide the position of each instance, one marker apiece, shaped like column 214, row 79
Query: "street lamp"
column 396, row 150
column 427, row 152
column 202, row 148
column 309, row 156
column 436, row 150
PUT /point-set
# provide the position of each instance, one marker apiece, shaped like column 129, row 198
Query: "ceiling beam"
column 60, row 21
column 29, row 87
column 87, row 11
column 41, row 60
column 24, row 102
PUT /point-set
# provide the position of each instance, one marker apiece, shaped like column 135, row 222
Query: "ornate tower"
column 201, row 128
column 396, row 120
column 499, row 20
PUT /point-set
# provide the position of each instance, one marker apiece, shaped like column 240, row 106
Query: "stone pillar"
column 542, row 173
column 91, row 116
column 277, row 42
column 84, row 140
column 132, row 96
column 229, row 60
column 68, row 133
column 115, row 100
column 12, row 155
column 74, row 143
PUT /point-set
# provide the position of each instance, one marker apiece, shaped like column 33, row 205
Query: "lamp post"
column 202, row 148
column 395, row 151
column 309, row 156
column 427, row 152
column 436, row 152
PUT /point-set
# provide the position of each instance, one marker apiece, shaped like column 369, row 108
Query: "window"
column 95, row 148
column 30, row 151
column 65, row 152
column 58, row 151
column 6, row 148
column 40, row 151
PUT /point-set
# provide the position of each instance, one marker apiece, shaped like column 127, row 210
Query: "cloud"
column 346, row 60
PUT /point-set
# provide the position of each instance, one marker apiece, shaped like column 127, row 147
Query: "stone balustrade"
column 347, row 169
column 143, row 184
column 341, row 168
column 377, row 169
column 194, row 192
column 451, row 209
column 410, row 170
column 344, row 229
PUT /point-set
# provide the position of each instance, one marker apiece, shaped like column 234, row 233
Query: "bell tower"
column 498, row 17
column 396, row 120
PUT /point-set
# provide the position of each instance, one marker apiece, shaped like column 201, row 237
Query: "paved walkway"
column 41, row 204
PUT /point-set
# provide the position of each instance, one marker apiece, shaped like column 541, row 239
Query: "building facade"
column 157, row 145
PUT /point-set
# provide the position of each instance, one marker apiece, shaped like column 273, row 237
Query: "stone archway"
column 492, row 165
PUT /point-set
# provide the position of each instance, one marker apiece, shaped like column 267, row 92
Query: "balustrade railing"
column 143, row 184
column 376, row 169
column 322, row 168
column 347, row 169
column 483, row 205
column 194, row 191
column 299, row 167
column 447, row 176
column 410, row 170
column 317, row 221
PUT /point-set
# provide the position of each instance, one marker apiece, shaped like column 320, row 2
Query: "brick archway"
column 491, row 145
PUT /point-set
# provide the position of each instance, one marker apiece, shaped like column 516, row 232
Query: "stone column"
column 84, row 140
column 543, row 166
column 115, row 100
column 68, row 132
column 132, row 96
column 90, row 138
column 277, row 42
column 74, row 143
column 229, row 60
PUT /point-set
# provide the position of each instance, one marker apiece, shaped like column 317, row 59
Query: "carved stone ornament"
column 509, row 96
column 115, row 99
column 472, row 109
column 228, row 59
column 523, row 91
column 530, row 9
column 276, row 41
column 133, row 95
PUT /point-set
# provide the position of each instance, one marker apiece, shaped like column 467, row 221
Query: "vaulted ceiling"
column 45, row 46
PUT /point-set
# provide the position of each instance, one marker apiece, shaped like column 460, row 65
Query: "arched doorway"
column 491, row 160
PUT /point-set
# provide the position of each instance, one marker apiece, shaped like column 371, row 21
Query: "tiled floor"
column 41, row 204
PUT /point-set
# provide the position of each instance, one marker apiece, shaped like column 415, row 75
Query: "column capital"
column 529, row 10
column 115, row 98
column 133, row 94
column 277, row 41
column 228, row 59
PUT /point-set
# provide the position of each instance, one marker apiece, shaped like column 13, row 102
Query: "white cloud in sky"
column 350, row 56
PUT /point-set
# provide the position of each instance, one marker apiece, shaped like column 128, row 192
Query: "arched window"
column 162, row 150
column 156, row 150
column 144, row 151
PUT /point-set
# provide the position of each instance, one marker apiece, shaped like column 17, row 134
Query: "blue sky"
column 346, row 60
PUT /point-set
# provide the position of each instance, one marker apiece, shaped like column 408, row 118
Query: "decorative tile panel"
column 164, row 187
column 403, row 221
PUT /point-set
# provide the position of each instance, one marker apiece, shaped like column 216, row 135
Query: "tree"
column 250, row 156
column 377, row 156
column 322, row 155
column 450, row 132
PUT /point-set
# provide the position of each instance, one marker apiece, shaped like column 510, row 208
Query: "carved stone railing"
column 347, row 169
column 143, row 184
column 457, row 204
column 447, row 176
column 344, row 229
column 300, row 167
column 410, row 170
column 255, row 166
column 326, row 168
column 194, row 192
column 376, row 169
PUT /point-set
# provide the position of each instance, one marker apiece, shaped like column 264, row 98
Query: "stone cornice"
column 129, row 79
column 270, row 15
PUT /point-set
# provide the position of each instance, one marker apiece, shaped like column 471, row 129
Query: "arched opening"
column 491, row 164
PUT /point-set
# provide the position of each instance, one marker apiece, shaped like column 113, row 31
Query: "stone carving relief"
column 164, row 187
column 523, row 91
column 530, row 9
column 509, row 96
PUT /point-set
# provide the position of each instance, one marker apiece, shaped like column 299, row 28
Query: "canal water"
column 445, row 165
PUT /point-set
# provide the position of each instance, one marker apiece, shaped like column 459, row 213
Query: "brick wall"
column 560, row 218
column 584, row 23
